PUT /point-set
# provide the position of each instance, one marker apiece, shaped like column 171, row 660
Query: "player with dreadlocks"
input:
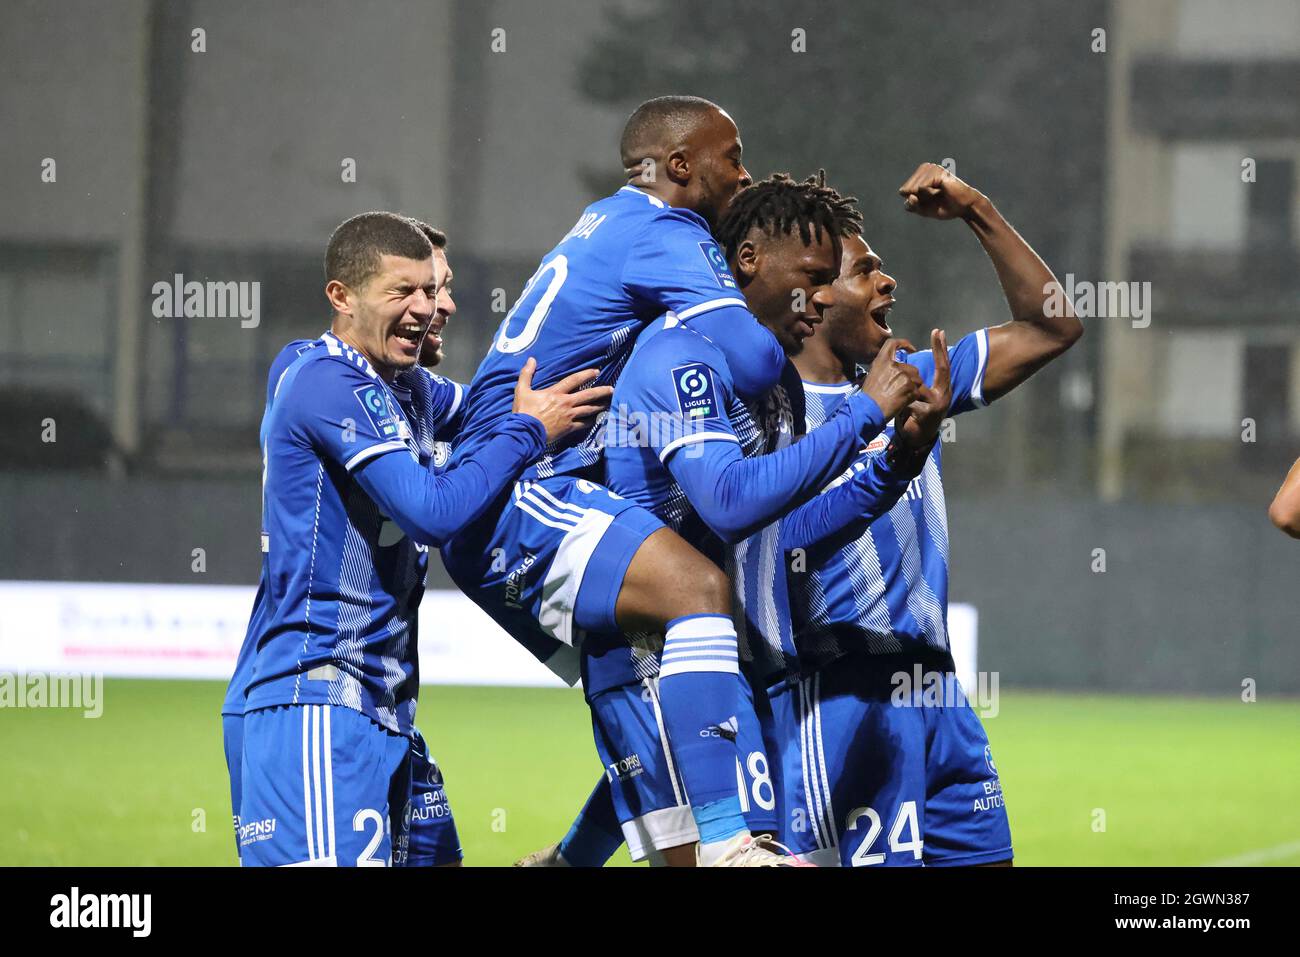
column 882, row 771
column 721, row 470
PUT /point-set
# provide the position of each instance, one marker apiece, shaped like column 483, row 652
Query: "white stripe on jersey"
column 868, row 581
column 703, row 307
column 542, row 510
column 921, row 600
column 675, row 444
column 654, row 200
column 311, row 577
column 369, row 453
column 901, row 558
column 977, row 388
column 821, row 389
column 536, row 490
column 765, row 599
column 532, row 507
column 356, row 608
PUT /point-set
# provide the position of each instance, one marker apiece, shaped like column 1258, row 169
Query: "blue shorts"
column 550, row 565
column 323, row 785
column 433, row 840
column 868, row 781
column 649, row 796
column 232, row 740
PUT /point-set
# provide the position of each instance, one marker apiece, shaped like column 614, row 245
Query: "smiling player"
column 721, row 477
column 350, row 507
column 883, row 781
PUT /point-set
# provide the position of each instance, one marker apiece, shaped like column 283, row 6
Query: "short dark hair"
column 661, row 122
column 778, row 204
column 432, row 233
column 352, row 255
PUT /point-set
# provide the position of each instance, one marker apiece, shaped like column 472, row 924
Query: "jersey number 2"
column 370, row 815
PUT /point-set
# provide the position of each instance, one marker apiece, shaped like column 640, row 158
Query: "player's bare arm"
column 1019, row 348
column 1285, row 510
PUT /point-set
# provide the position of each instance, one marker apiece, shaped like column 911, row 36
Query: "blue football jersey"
column 234, row 700
column 884, row 588
column 677, row 392
column 764, row 625
column 342, row 582
column 629, row 259
column 432, row 404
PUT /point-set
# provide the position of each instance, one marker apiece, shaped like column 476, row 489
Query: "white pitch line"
column 1259, row 857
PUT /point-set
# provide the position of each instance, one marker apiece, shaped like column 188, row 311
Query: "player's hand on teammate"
column 558, row 407
column 918, row 425
column 934, row 192
column 892, row 384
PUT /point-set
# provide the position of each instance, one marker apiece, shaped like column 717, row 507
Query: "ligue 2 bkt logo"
column 693, row 383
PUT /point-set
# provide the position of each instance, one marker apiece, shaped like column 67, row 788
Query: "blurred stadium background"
column 1162, row 149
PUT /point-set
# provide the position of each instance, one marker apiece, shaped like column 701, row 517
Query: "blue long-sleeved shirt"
column 349, row 510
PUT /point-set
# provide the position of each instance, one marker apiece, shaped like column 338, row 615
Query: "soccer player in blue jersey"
column 431, row 403
column 558, row 555
column 720, row 469
column 434, row 841
column 350, row 510
column 881, row 774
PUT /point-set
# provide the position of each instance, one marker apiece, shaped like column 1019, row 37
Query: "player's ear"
column 677, row 166
column 340, row 296
column 745, row 262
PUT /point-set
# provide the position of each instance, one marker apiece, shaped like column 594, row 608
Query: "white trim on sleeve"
column 977, row 387
column 370, row 452
column 455, row 404
column 844, row 388
column 676, row 444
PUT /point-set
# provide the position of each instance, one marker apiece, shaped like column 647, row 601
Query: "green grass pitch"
column 1180, row 781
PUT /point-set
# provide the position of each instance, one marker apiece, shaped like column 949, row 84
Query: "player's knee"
column 668, row 578
column 708, row 588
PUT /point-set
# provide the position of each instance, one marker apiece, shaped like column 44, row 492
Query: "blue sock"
column 596, row 834
column 699, row 693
